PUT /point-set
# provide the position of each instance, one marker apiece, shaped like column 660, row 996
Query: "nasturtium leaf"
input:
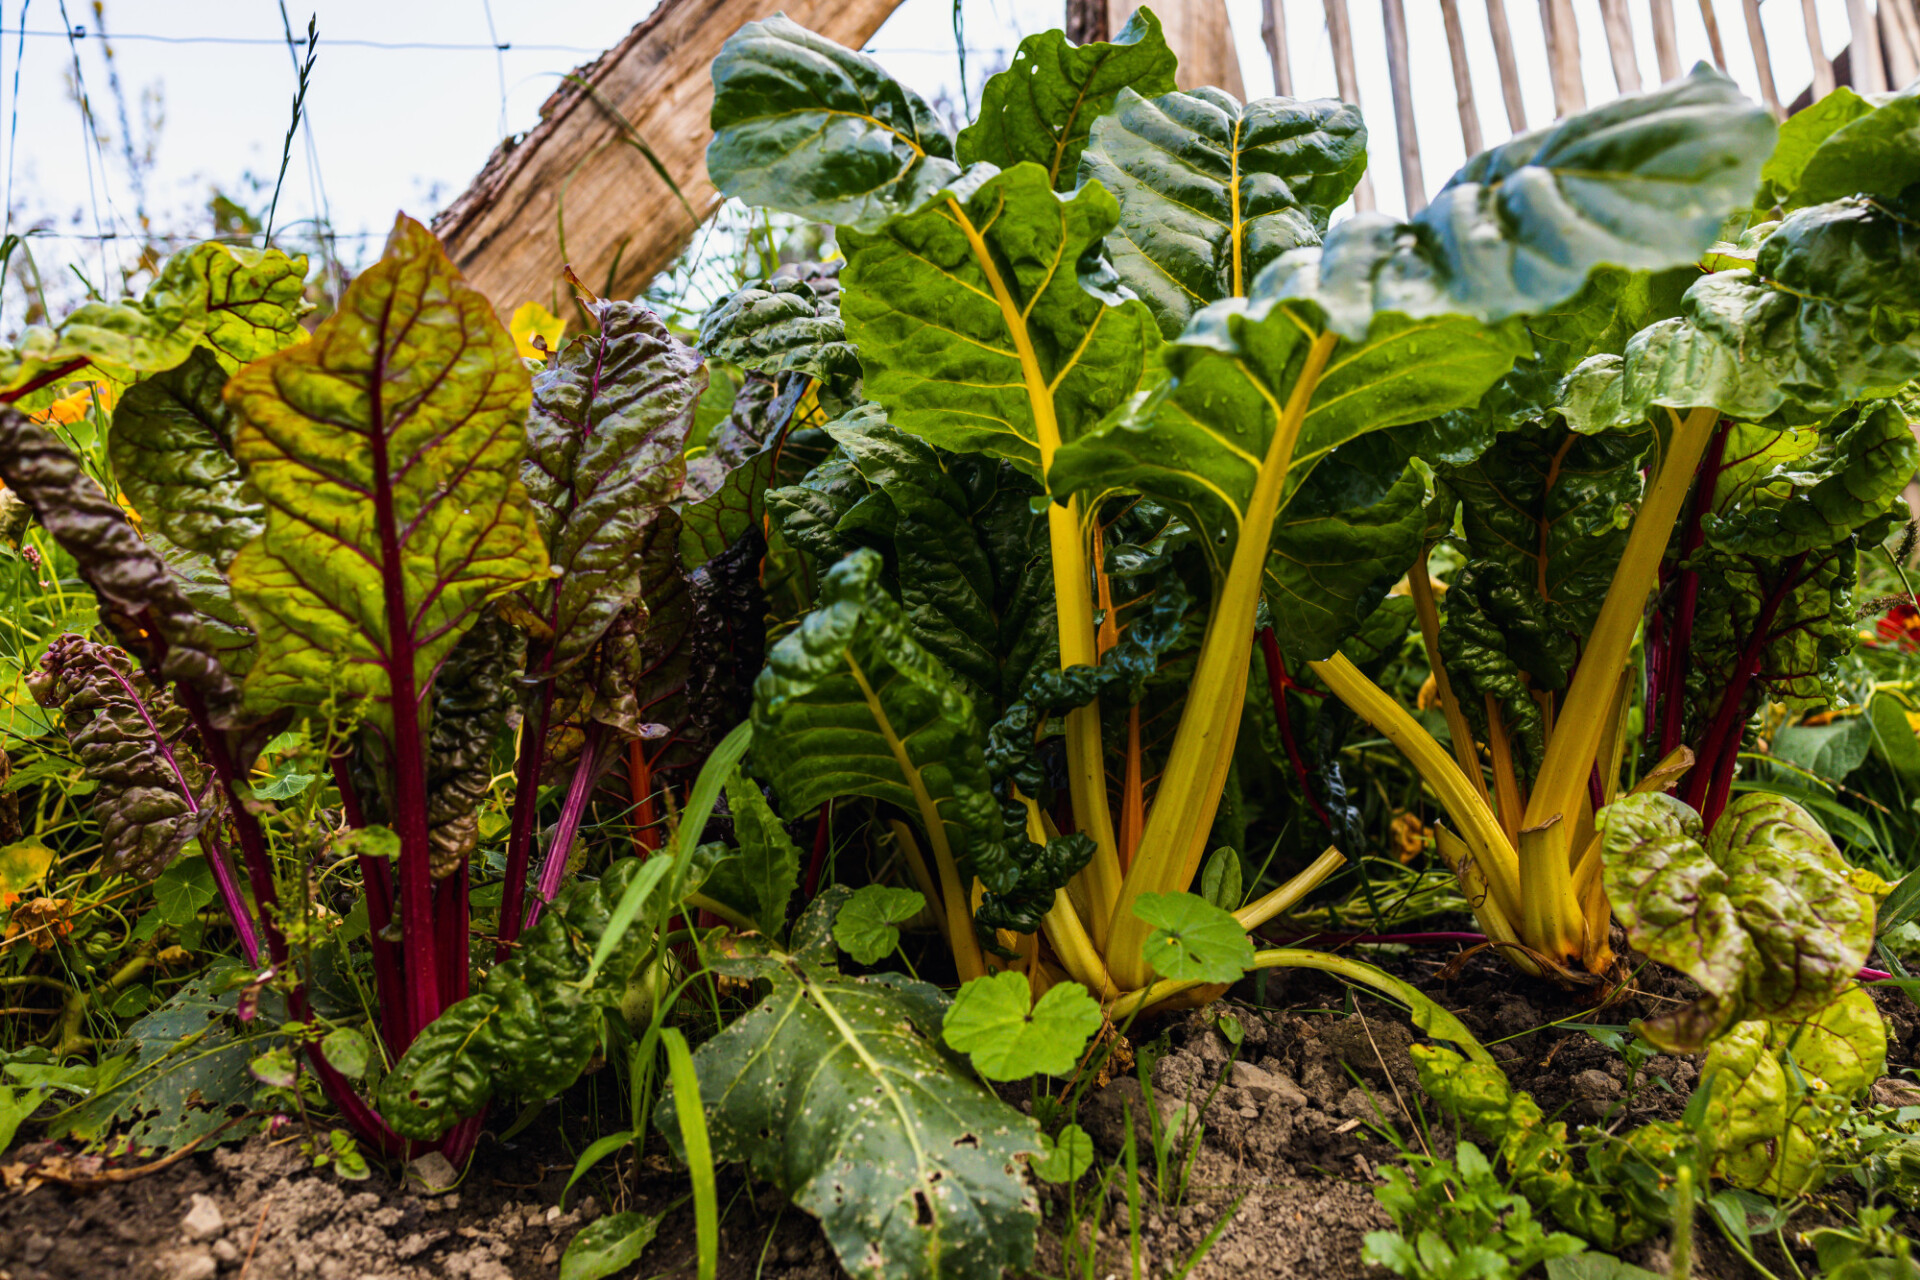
column 804, row 125
column 850, row 704
column 836, row 1091
column 153, row 793
column 867, row 928
column 1193, row 940
column 1831, row 751
column 986, row 322
column 604, row 441
column 608, row 1245
column 759, row 876
column 1764, row 914
column 139, row 595
column 1066, row 1157
column 23, row 865
column 1211, row 190
column 1780, row 1086
column 1043, row 105
column 172, row 451
column 1009, row 1035
column 387, row 451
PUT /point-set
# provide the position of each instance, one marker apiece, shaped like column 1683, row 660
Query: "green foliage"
column 1781, row 1087
column 1763, row 912
column 1009, row 1035
column 402, row 418
column 153, row 795
column 1193, row 939
column 608, row 1245
column 1843, row 145
column 1042, row 108
column 866, row 928
column 1454, row 1220
column 758, row 877
column 786, row 326
column 1212, row 191
column 887, row 1140
column 1064, row 1158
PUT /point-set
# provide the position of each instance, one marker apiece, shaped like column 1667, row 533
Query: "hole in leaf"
column 922, row 1210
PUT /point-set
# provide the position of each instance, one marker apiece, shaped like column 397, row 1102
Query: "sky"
column 391, row 128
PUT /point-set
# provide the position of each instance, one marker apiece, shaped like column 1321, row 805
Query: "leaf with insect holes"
column 1192, row 939
column 387, row 451
column 866, row 927
column 997, row 1023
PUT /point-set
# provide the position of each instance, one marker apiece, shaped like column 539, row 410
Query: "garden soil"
column 1289, row 1156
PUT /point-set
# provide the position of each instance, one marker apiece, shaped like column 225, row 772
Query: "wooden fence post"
column 1462, row 78
column 1626, row 63
column 1273, row 30
column 1666, row 40
column 1762, row 58
column 1509, row 66
column 1393, row 16
column 1340, row 35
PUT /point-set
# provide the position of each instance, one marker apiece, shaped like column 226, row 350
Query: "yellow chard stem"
column 1072, row 593
column 1582, row 721
column 1266, row 907
column 1189, row 792
column 1457, row 728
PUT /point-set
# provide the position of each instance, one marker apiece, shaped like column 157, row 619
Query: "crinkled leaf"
column 803, row 125
column 1212, row 190
column 867, row 928
column 1192, row 939
column 834, row 1090
column 140, row 598
column 1041, row 108
column 1853, row 477
column 471, row 698
column 387, row 451
column 1764, row 914
column 784, row 325
column 759, row 876
column 530, row 1030
column 172, row 451
column 1644, row 183
column 1352, row 531
column 1845, row 145
column 1009, row 1035
column 153, row 793
column 960, row 349
column 604, row 441
column 850, row 704
column 1197, row 445
column 1781, row 1086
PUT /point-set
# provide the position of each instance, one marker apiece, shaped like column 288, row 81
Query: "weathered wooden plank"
column 582, row 168
column 1393, row 17
column 1817, row 49
column 1509, row 66
column 1462, row 77
column 1563, row 57
column 1666, row 40
column 1762, row 57
column 1713, row 34
column 1619, row 28
column 1864, row 60
column 1340, row 36
column 1273, row 31
column 1900, row 38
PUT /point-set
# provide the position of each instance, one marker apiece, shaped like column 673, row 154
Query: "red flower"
column 1901, row 624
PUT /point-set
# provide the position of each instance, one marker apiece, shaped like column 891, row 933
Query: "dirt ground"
column 1288, row 1136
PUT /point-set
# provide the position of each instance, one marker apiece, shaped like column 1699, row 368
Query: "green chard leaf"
column 1009, row 1035
column 1212, row 190
column 958, row 347
column 1844, row 145
column 1764, row 914
column 142, row 599
column 153, row 793
column 789, row 323
column 387, row 453
column 471, row 698
column 1852, row 477
column 803, row 125
column 835, row 1090
column 1043, row 106
column 758, row 877
column 172, row 452
column 850, row 704
column 604, row 440
column 1782, row 1085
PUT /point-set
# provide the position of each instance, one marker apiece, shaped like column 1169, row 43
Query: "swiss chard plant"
column 1119, row 308
column 401, row 544
column 1697, row 456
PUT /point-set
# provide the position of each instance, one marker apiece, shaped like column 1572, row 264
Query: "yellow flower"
column 531, row 321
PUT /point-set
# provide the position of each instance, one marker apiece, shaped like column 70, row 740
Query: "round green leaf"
column 994, row 1022
column 1193, row 940
column 865, row 927
column 1066, row 1157
column 347, row 1050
